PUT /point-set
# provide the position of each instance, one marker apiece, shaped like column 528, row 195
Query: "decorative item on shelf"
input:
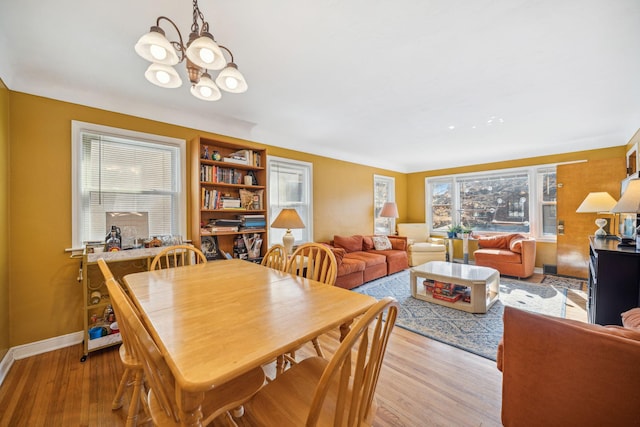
column 113, row 241
column 216, row 156
column 205, row 153
column 288, row 218
column 155, row 242
column 210, row 248
column 202, row 54
column 630, row 203
column 598, row 202
column 251, row 200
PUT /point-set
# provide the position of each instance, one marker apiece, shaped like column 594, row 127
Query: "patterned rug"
column 475, row 333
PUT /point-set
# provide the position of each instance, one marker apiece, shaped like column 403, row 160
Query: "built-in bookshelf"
column 228, row 199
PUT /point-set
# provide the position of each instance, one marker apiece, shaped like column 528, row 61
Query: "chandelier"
column 201, row 53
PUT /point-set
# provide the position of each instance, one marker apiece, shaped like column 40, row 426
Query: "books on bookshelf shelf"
column 244, row 157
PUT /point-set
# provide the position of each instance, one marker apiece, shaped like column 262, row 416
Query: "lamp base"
column 287, row 242
column 600, row 233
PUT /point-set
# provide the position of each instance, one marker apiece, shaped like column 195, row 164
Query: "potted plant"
column 453, row 230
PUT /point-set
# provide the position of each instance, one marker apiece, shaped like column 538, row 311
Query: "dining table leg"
column 190, row 408
column 345, row 328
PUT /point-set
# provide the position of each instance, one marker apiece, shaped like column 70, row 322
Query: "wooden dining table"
column 216, row 321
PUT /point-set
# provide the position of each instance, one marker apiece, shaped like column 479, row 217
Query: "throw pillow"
column 348, row 243
column 381, row 243
column 367, row 243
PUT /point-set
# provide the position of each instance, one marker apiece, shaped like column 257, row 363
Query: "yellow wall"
column 46, row 297
column 545, row 251
column 4, row 221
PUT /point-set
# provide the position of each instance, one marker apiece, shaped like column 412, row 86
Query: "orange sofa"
column 510, row 254
column 360, row 262
column 560, row 372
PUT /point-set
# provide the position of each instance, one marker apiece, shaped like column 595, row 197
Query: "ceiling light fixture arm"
column 177, row 45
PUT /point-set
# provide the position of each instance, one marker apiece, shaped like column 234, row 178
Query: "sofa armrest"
column 436, row 240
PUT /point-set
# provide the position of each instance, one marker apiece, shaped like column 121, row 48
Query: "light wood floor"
column 423, row 383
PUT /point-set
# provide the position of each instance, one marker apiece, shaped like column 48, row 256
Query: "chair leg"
column 316, row 345
column 280, row 361
column 134, row 403
column 124, row 381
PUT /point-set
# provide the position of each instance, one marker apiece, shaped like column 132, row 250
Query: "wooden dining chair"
column 177, row 256
column 133, row 371
column 275, row 258
column 162, row 393
column 316, row 262
column 336, row 392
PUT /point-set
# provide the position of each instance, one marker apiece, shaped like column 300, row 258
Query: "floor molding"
column 38, row 347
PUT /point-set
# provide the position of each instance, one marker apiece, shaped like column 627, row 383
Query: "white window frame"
column 77, row 128
column 535, row 206
column 388, row 223
column 301, row 235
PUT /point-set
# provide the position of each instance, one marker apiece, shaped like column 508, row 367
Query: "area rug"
column 475, row 333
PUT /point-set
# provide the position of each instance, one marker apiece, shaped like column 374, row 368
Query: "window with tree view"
column 515, row 201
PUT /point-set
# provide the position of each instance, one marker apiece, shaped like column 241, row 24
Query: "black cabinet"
column 614, row 281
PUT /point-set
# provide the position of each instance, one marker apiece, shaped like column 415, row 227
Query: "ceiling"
column 406, row 85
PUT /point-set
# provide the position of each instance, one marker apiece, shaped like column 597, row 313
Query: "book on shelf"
column 229, row 203
column 232, row 160
column 223, row 222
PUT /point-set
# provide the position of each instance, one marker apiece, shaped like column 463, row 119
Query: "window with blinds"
column 118, row 171
column 290, row 186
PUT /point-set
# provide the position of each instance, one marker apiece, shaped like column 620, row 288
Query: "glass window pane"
column 441, row 209
column 549, row 220
column 383, row 191
column 117, row 172
column 290, row 186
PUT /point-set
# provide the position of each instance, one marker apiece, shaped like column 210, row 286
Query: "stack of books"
column 221, row 226
column 257, row 221
column 445, row 291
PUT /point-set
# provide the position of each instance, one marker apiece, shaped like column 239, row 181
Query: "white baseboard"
column 38, row 347
column 5, row 365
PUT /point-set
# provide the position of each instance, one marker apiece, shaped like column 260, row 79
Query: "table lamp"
column 630, row 203
column 599, row 202
column 288, row 218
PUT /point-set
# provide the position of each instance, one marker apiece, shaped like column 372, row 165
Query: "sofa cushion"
column 426, row 247
column 348, row 243
column 370, row 259
column 505, row 255
column 515, row 245
column 350, row 265
column 381, row 243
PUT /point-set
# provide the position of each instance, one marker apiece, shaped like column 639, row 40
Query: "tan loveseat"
column 560, row 372
column 420, row 246
column 510, row 254
column 359, row 261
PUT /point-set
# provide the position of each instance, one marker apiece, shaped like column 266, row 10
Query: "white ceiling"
column 374, row 82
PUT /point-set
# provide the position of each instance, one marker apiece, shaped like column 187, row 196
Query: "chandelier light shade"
column 201, row 54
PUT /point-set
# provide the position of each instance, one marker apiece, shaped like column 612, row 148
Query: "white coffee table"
column 484, row 283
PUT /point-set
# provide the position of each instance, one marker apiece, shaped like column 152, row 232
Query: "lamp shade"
column 389, row 210
column 163, row 76
column 288, row 218
column 205, row 53
column 597, row 202
column 206, row 89
column 154, row 47
column 630, row 200
column 231, row 80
